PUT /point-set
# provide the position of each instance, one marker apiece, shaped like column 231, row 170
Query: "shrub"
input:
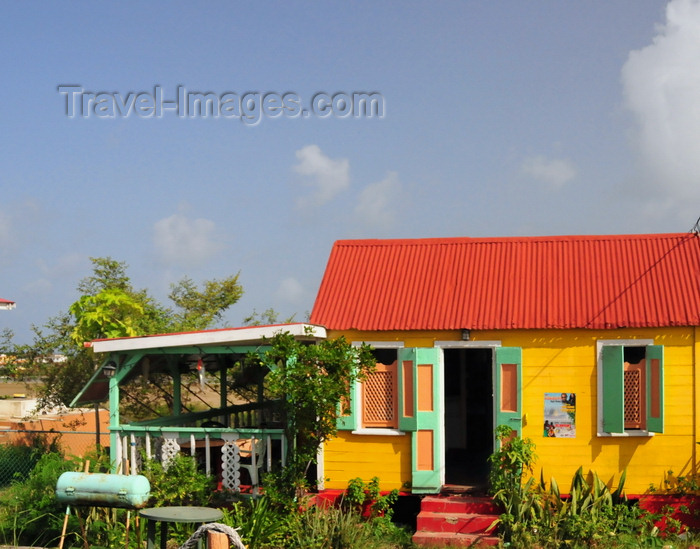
column 180, row 483
column 29, row 511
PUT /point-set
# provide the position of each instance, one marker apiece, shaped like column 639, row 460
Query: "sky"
column 489, row 119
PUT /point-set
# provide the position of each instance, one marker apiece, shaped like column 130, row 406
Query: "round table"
column 166, row 515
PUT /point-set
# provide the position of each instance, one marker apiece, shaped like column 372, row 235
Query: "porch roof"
column 225, row 340
column 247, row 335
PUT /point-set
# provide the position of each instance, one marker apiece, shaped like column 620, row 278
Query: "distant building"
column 6, row 304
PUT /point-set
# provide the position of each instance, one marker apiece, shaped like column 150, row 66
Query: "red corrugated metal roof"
column 512, row 283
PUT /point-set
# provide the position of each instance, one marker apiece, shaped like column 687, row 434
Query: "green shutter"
column 508, row 387
column 406, row 406
column 655, row 388
column 613, row 389
column 426, row 452
column 350, row 422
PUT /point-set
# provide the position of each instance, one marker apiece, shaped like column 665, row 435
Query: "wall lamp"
column 109, row 369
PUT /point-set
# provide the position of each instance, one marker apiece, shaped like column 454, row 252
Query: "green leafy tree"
column 310, row 381
column 111, row 307
column 200, row 309
column 266, row 318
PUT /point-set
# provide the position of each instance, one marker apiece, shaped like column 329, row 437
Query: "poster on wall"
column 560, row 415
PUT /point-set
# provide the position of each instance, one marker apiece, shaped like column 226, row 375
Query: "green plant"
column 513, row 459
column 330, row 528
column 309, row 381
column 19, row 458
column 260, row 523
column 178, row 483
column 29, row 511
column 358, row 495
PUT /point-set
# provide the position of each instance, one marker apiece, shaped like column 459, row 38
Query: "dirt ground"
column 9, row 388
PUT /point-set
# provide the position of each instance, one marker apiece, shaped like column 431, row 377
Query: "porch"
column 226, row 432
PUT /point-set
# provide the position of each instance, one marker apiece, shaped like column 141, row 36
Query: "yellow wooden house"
column 588, row 345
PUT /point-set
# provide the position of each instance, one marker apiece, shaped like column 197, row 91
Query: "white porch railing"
column 217, row 449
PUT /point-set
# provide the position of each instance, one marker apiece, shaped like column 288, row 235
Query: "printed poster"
column 560, row 415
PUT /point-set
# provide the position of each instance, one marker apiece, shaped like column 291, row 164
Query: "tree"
column 311, row 381
column 201, row 309
column 111, row 307
column 266, row 318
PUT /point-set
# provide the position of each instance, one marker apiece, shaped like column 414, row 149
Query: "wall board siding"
column 557, row 361
column 348, row 456
column 565, row 361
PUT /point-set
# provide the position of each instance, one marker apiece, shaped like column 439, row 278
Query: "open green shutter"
column 655, row 388
column 426, row 445
column 613, row 388
column 508, row 388
column 406, row 371
column 349, row 422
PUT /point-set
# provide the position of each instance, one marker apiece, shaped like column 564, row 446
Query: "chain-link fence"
column 21, row 449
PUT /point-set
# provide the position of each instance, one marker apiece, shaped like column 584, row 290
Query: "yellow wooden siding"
column 566, row 361
column 555, row 361
column 366, row 456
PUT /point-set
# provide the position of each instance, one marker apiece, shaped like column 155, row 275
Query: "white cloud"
column 376, row 204
column 555, row 172
column 182, row 241
column 661, row 86
column 328, row 177
column 291, row 291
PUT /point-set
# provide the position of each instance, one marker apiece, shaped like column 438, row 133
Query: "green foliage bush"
column 359, row 495
column 29, row 511
column 178, row 483
column 535, row 515
column 18, row 459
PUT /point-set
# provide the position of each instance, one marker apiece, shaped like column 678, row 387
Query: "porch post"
column 114, row 457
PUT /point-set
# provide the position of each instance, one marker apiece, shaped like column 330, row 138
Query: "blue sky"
column 500, row 118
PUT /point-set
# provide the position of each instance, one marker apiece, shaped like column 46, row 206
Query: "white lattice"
column 230, row 462
column 169, row 449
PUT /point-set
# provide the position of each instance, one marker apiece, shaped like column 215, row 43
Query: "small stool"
column 166, row 515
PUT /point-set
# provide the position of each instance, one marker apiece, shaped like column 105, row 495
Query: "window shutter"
column 407, row 404
column 379, row 397
column 508, row 388
column 655, row 388
column 613, row 388
column 348, row 411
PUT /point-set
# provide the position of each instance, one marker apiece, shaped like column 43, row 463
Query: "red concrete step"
column 460, row 504
column 452, row 539
column 463, row 523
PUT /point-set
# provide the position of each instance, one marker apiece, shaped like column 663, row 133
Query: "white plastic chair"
column 254, row 449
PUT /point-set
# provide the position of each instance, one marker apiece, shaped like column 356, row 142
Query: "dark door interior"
column 468, row 415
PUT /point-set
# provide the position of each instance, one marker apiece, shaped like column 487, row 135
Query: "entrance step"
column 456, row 520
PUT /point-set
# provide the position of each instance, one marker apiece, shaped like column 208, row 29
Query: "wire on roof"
column 696, row 227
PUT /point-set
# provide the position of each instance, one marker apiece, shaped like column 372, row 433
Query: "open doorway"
column 469, row 408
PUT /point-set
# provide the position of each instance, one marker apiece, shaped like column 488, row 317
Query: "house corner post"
column 696, row 395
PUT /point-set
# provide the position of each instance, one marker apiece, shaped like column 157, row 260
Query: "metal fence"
column 20, row 450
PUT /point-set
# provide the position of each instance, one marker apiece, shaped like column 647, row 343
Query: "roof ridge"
column 495, row 239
